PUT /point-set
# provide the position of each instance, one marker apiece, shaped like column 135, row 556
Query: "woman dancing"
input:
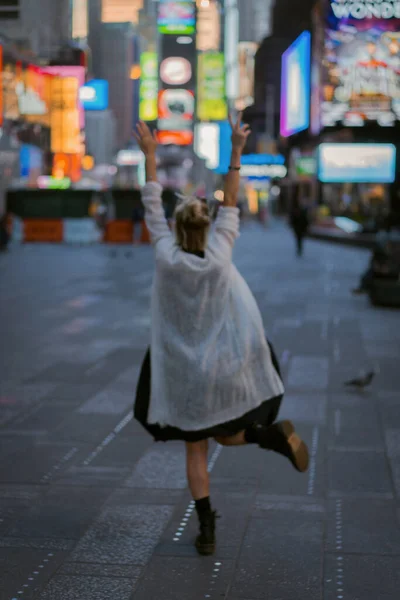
column 210, row 372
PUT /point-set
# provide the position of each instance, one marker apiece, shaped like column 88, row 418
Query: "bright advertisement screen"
column 357, row 163
column 148, row 89
column 94, row 95
column 176, row 96
column 177, row 18
column 361, row 63
column 247, row 58
column 77, row 73
column 211, row 93
column 295, row 86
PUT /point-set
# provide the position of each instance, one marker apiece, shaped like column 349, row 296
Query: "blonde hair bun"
column 197, row 216
column 192, row 220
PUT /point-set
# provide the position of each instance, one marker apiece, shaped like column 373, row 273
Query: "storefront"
column 260, row 173
column 355, row 179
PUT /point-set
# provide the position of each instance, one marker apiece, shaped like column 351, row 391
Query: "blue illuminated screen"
column 296, row 86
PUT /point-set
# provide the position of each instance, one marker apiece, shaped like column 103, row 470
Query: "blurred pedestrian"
column 299, row 222
column 209, row 373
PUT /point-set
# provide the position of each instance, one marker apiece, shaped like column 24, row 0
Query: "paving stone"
column 62, row 371
column 393, row 443
column 350, row 471
column 23, row 571
column 93, row 476
column 179, row 577
column 37, row 543
column 63, row 513
column 107, row 402
column 122, row 452
column 361, row 526
column 160, row 467
column 304, row 408
column 241, row 463
column 90, row 429
column 131, row 572
column 308, row 373
column 395, row 469
column 46, row 418
column 127, row 496
column 272, row 563
column 71, row 587
column 123, row 535
column 72, row 394
column 362, row 577
column 267, row 502
column 33, row 464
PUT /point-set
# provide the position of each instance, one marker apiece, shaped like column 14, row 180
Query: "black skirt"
column 265, row 414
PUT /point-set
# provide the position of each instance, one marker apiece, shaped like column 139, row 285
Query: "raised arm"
column 232, row 181
column 151, row 193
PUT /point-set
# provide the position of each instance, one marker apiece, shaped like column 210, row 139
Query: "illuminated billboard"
column 177, row 18
column 77, row 73
column 247, row 59
column 357, row 163
column 94, row 95
column 295, row 86
column 361, row 63
column 1, row 86
column 211, row 99
column 148, row 89
column 65, row 125
column 316, row 60
column 176, row 98
column 208, row 26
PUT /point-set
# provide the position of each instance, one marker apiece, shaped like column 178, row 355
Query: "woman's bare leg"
column 197, row 469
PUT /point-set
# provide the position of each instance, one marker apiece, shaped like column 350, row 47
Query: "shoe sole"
column 299, row 456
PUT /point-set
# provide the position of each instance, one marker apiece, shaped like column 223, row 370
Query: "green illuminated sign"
column 211, row 99
column 148, row 90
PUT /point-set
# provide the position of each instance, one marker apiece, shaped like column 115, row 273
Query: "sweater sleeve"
column 227, row 224
column 154, row 212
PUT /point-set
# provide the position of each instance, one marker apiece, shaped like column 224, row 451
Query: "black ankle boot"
column 205, row 542
column 282, row 438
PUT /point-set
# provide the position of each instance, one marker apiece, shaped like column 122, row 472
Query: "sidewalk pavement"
column 91, row 509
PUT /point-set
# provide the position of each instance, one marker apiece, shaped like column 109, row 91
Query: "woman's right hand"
column 240, row 133
column 147, row 141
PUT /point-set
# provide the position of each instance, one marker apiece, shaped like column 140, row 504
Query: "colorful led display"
column 211, row 99
column 176, row 99
column 357, row 163
column 94, row 95
column 361, row 63
column 148, row 89
column 177, row 18
column 295, row 86
column 77, row 73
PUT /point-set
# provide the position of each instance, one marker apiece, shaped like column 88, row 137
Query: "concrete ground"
column 91, row 509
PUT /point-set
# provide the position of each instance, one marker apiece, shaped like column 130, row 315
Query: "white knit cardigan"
column 210, row 362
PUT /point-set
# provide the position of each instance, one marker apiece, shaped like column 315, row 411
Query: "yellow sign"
column 65, row 130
